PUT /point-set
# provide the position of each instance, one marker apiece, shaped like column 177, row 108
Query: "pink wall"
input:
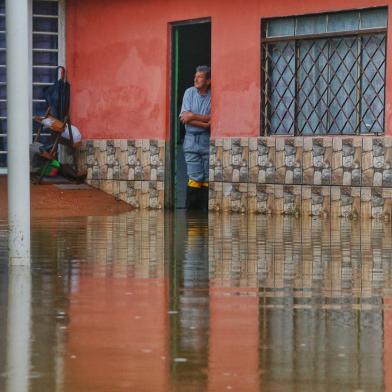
column 118, row 53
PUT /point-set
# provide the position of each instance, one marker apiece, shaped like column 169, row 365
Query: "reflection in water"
column 153, row 302
column 189, row 277
column 321, row 288
column 117, row 333
column 234, row 311
column 18, row 331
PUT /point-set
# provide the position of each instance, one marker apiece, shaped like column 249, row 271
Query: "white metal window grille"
column 324, row 74
column 48, row 53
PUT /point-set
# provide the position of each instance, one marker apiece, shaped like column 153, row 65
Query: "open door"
column 191, row 46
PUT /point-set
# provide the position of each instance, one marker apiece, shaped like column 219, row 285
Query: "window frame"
column 61, row 56
column 265, row 115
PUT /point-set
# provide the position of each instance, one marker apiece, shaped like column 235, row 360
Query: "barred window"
column 324, row 74
column 48, row 53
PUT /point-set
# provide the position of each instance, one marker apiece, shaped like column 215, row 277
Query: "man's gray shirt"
column 197, row 104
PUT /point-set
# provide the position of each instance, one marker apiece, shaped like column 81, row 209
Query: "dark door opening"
column 191, row 46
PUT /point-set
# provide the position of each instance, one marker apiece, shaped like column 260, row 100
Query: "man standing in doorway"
column 196, row 116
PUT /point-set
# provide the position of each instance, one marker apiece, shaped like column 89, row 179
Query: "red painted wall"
column 118, row 56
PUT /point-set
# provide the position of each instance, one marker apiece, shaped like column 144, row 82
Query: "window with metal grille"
column 48, row 53
column 324, row 74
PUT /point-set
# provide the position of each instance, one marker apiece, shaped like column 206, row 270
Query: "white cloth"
column 77, row 137
column 47, row 122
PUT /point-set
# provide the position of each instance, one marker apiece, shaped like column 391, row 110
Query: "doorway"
column 191, row 46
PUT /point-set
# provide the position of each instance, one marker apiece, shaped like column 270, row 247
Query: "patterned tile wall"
column 288, row 160
column 312, row 176
column 317, row 158
column 346, row 161
column 130, row 170
column 235, row 157
column 262, row 165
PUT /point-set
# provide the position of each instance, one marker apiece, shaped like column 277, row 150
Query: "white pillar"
column 18, row 329
column 18, row 27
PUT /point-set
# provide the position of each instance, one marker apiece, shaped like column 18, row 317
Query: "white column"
column 18, row 329
column 18, row 26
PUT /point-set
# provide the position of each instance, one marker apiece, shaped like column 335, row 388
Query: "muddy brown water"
column 147, row 301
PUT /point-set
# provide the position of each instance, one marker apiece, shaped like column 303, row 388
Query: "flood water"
column 148, row 301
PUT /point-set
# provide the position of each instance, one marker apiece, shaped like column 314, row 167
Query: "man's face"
column 200, row 81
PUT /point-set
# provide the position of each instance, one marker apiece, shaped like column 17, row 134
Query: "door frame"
column 173, row 28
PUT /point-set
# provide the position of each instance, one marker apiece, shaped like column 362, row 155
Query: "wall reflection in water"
column 118, row 329
column 321, row 289
column 149, row 301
